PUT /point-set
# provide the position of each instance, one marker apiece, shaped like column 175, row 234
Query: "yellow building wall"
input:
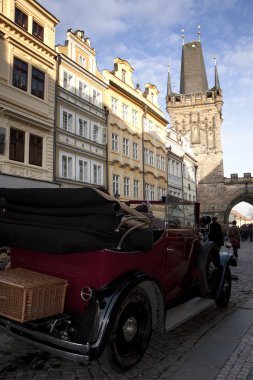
column 19, row 108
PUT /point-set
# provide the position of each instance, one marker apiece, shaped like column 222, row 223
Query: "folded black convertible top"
column 61, row 220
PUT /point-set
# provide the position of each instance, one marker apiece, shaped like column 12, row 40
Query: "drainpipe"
column 107, row 148
column 143, row 155
column 58, row 61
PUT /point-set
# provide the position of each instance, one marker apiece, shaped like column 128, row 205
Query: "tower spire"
column 193, row 77
column 169, row 91
column 216, row 76
column 199, row 33
column 182, row 36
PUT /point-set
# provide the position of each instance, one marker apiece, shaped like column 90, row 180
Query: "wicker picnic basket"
column 26, row 295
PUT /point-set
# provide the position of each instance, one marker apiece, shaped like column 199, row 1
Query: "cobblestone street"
column 166, row 354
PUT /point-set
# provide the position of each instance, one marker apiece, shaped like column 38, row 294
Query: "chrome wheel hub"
column 130, row 329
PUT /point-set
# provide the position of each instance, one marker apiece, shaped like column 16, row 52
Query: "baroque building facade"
column 81, row 131
column 137, row 156
column 27, row 91
column 63, row 123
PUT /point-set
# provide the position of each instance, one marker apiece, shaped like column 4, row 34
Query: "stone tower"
column 197, row 112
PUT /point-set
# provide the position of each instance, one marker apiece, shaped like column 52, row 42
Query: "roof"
column 193, row 72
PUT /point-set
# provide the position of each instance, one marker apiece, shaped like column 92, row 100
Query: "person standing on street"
column 234, row 237
column 215, row 233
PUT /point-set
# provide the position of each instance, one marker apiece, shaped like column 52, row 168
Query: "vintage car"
column 129, row 268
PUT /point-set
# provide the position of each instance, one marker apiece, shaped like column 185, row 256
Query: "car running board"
column 181, row 313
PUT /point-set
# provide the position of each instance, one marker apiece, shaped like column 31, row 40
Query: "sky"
column 148, row 34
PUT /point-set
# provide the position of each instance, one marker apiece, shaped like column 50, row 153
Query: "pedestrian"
column 215, row 233
column 234, row 237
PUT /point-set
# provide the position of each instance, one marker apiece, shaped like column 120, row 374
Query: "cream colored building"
column 27, row 90
column 81, row 131
column 136, row 137
column 182, row 166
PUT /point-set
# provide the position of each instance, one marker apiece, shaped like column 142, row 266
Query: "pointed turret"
column 193, row 73
column 216, row 76
column 169, row 91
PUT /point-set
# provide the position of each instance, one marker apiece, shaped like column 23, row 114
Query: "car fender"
column 110, row 298
column 226, row 259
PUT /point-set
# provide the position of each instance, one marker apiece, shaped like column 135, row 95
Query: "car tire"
column 130, row 334
column 209, row 269
column 224, row 294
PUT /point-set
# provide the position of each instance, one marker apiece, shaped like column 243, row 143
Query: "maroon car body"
column 119, row 289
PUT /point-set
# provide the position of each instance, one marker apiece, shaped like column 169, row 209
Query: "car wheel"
column 224, row 294
column 130, row 334
column 208, row 265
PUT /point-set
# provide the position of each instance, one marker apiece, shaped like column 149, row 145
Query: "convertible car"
column 123, row 270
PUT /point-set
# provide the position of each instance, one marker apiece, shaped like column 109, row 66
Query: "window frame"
column 17, row 145
column 39, row 32
column 70, row 166
column 69, row 128
column 99, row 167
column 85, row 128
column 36, row 79
column 125, row 146
column 114, row 104
column 21, row 69
column 135, row 151
column 38, row 151
column 21, row 15
column 115, row 142
column 86, row 175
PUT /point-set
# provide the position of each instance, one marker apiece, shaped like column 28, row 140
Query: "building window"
column 126, row 186
column 38, row 83
column 152, row 192
column 163, row 163
column 83, row 90
column 115, row 184
column 148, row 157
column 123, row 76
column 126, row 147
column 159, row 193
column 115, row 142
column 68, row 81
column 67, row 121
column 82, row 127
column 147, row 191
column 21, row 18
column 96, row 133
column 124, row 112
column 82, row 60
column 114, row 103
column 96, row 174
column 134, row 117
column 35, row 150
column 136, row 188
column 82, row 170
column 151, row 158
column 67, row 165
column 20, row 72
column 97, row 98
column 17, row 145
column 38, row 31
column 135, row 151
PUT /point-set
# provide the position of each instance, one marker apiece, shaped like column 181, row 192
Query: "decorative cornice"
column 70, row 62
column 20, row 36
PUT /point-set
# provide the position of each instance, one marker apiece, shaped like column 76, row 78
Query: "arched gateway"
column 197, row 112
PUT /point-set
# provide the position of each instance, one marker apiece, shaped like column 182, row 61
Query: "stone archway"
column 244, row 197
